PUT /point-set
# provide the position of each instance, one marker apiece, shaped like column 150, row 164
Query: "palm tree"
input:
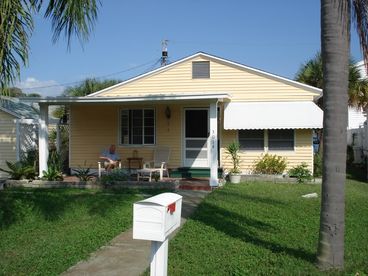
column 88, row 86
column 311, row 73
column 70, row 17
column 335, row 40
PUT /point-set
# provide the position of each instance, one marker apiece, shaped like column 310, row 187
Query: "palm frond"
column 73, row 17
column 16, row 26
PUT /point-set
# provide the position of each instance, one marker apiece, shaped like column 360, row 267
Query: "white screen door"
column 195, row 137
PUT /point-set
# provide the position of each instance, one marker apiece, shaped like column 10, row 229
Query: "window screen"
column 251, row 139
column 201, row 70
column 137, row 126
column 281, row 139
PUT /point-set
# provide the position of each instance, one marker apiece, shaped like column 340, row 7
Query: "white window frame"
column 154, row 127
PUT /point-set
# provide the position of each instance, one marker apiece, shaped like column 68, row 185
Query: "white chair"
column 161, row 156
column 102, row 168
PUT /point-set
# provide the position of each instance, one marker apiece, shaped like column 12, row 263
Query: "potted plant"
column 233, row 149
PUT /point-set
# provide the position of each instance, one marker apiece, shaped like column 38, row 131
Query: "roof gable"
column 113, row 90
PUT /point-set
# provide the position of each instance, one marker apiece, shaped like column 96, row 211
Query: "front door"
column 195, row 137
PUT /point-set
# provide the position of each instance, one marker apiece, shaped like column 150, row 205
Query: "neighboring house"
column 18, row 130
column 357, row 126
column 196, row 106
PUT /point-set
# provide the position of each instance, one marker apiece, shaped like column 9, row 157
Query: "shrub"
column 233, row 149
column 317, row 165
column 270, row 164
column 84, row 174
column 115, row 175
column 55, row 161
column 19, row 170
column 52, row 174
column 301, row 172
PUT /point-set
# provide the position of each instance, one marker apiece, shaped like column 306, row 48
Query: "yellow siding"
column 303, row 151
column 95, row 127
column 7, row 140
column 241, row 84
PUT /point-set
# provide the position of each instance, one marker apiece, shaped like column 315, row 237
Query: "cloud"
column 46, row 88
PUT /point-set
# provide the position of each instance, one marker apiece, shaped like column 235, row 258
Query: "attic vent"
column 201, row 70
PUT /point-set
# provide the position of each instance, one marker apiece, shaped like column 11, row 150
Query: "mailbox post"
column 154, row 219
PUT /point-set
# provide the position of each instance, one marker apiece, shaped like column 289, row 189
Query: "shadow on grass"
column 52, row 204
column 246, row 229
column 356, row 172
column 255, row 199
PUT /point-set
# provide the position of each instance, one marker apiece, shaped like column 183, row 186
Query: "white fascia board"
column 163, row 97
column 295, row 83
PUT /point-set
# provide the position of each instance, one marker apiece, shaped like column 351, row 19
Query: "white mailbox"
column 155, row 218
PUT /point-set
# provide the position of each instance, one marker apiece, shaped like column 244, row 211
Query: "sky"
column 273, row 36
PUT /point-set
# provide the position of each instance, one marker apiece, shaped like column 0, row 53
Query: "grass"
column 44, row 232
column 265, row 229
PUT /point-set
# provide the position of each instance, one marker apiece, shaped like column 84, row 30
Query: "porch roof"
column 272, row 115
column 131, row 99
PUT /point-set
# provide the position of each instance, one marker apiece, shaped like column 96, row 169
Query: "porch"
column 187, row 124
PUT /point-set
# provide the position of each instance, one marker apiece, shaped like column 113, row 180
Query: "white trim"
column 212, row 141
column 29, row 121
column 312, row 167
column 69, row 136
column 17, row 140
column 199, row 54
column 130, row 99
column 43, row 139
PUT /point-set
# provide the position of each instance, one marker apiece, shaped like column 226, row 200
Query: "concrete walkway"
column 125, row 256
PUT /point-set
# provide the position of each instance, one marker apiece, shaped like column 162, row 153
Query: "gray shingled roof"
column 16, row 108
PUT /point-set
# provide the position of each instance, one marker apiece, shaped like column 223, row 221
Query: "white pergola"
column 212, row 99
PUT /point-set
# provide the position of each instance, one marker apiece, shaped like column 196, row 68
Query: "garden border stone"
column 92, row 184
column 276, row 178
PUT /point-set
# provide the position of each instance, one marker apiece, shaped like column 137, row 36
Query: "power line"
column 99, row 77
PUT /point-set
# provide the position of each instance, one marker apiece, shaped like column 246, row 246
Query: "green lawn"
column 267, row 229
column 44, row 232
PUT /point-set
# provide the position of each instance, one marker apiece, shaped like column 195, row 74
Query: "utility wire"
column 99, row 77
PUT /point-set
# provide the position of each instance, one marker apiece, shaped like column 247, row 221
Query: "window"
column 201, row 70
column 251, row 139
column 137, row 126
column 281, row 139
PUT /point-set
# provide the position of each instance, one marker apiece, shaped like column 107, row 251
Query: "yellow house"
column 196, row 106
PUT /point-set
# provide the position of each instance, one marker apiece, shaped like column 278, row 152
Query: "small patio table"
column 136, row 160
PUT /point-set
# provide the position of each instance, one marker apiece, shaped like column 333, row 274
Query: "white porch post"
column 17, row 141
column 43, row 138
column 213, row 145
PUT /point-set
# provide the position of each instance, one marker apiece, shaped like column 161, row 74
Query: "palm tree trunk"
column 335, row 36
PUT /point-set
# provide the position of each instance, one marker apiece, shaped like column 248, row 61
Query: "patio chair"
column 159, row 164
column 102, row 167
